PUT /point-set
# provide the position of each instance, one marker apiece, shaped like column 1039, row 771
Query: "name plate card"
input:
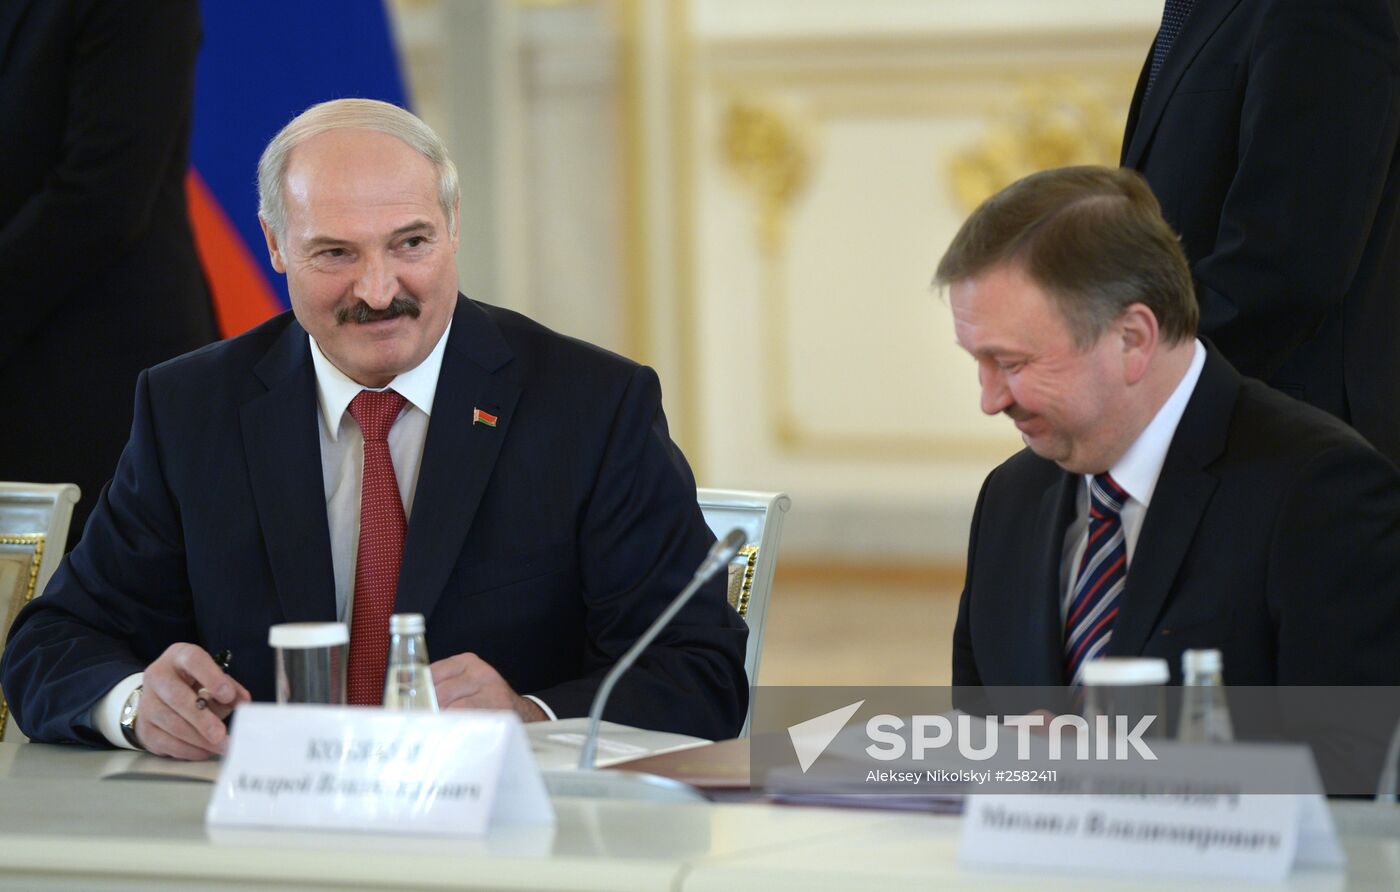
column 1199, row 836
column 353, row 768
column 1193, row 826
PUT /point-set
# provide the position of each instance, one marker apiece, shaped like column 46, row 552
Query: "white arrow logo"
column 811, row 738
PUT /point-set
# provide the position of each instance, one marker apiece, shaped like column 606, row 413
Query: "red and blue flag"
column 262, row 63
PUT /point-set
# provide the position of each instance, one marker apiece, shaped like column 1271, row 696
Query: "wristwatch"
column 133, row 701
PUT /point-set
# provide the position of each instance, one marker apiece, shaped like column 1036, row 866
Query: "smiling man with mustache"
column 336, row 463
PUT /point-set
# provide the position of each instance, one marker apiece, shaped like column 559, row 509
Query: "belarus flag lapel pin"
column 481, row 417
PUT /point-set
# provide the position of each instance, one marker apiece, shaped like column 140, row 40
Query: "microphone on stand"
column 632, row 784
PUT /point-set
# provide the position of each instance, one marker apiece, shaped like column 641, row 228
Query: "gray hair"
column 352, row 114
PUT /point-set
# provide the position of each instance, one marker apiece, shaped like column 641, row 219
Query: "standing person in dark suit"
column 1163, row 502
column 387, row 446
column 98, row 273
column 1270, row 132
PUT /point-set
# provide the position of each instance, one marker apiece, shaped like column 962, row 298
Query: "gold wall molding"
column 807, row 51
column 766, row 150
column 1048, row 111
column 1052, row 122
column 681, row 126
column 657, row 162
column 635, row 168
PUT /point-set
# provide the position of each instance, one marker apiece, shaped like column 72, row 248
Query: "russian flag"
column 262, row 63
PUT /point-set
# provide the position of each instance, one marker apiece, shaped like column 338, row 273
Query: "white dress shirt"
column 342, row 469
column 343, row 453
column 1136, row 472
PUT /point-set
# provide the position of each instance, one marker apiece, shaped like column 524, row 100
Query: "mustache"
column 360, row 312
column 1016, row 413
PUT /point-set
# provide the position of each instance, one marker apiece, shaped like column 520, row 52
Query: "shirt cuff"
column 542, row 705
column 106, row 714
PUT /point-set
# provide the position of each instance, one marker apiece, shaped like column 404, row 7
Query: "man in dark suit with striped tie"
column 1164, row 502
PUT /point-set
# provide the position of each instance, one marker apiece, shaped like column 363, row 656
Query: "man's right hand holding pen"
column 185, row 698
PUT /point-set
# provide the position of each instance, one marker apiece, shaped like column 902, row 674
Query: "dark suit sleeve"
column 1318, row 129
column 87, row 632
column 131, row 76
column 641, row 537
column 1334, row 568
column 1334, row 573
column 968, row 693
column 964, row 662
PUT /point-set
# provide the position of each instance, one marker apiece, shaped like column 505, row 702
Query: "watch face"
column 129, row 710
column 128, row 720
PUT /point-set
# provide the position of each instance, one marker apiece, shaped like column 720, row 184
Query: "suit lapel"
column 458, row 456
column 1205, row 18
column 10, row 14
column 1135, row 110
column 1045, row 654
column 1183, row 492
column 283, row 449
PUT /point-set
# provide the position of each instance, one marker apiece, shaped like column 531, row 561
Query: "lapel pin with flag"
column 481, row 417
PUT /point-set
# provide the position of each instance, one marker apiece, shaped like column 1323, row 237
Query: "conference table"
column 71, row 819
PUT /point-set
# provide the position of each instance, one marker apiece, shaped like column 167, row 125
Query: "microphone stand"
column 632, row 784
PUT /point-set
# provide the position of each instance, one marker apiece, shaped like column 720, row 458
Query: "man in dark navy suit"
column 1164, row 502
column 1270, row 132
column 388, row 446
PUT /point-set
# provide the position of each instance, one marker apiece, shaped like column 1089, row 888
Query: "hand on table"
column 169, row 721
column 466, row 681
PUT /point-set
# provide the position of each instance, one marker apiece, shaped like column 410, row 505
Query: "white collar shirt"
column 342, row 466
column 1137, row 472
column 343, row 453
column 343, row 459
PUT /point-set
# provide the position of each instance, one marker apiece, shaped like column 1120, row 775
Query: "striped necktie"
column 1173, row 17
column 1102, row 573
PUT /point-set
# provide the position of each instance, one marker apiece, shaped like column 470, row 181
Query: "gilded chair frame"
column 741, row 573
column 22, row 592
column 34, row 519
column 760, row 516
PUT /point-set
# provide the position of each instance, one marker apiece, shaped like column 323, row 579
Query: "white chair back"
column 760, row 516
column 34, row 521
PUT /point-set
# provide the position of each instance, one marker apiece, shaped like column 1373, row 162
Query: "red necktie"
column 382, row 526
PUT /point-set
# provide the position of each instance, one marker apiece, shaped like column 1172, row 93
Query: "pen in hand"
column 223, row 659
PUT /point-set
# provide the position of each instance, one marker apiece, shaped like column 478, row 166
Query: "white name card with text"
column 355, row 768
column 1202, row 836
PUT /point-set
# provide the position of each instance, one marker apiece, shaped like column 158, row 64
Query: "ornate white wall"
column 752, row 195
column 838, row 147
